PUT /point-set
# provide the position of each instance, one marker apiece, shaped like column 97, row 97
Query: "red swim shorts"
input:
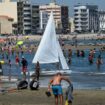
column 24, row 69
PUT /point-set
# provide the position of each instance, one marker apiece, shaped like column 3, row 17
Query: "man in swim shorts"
column 57, row 88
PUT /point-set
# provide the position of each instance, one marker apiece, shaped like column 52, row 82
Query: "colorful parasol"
column 19, row 42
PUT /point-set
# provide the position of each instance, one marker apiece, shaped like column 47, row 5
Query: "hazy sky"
column 71, row 3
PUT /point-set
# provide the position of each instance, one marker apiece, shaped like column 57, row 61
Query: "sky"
column 71, row 3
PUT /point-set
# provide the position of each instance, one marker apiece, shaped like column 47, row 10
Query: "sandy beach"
column 38, row 97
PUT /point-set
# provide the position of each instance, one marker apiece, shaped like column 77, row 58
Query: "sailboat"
column 49, row 50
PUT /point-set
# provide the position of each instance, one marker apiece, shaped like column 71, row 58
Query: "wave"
column 88, row 73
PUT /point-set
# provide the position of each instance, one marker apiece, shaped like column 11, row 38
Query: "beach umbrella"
column 19, row 42
column 26, row 37
column 2, row 62
column 2, row 40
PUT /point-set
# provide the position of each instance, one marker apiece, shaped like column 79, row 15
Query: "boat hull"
column 51, row 73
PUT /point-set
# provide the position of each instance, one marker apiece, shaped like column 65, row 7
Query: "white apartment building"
column 60, row 13
column 43, row 19
column 56, row 11
column 86, row 18
column 102, row 20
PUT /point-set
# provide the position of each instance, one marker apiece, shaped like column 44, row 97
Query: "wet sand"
column 38, row 97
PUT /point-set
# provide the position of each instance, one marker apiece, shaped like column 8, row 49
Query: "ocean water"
column 83, row 75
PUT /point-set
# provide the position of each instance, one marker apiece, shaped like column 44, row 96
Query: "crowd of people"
column 92, row 57
column 10, row 50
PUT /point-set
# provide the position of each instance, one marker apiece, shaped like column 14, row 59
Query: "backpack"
column 34, row 84
column 22, row 85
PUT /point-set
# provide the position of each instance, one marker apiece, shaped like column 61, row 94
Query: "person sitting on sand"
column 57, row 88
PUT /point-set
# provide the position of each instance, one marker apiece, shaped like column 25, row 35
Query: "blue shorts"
column 57, row 89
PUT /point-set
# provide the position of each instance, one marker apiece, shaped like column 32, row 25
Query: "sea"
column 83, row 75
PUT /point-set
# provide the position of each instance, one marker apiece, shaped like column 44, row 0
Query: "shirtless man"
column 57, row 88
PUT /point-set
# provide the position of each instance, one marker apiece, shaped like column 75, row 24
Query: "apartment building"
column 86, row 18
column 6, row 24
column 60, row 13
column 43, row 20
column 6, row 6
column 102, row 20
column 28, row 17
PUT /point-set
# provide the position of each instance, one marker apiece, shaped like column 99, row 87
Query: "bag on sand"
column 48, row 93
column 34, row 84
column 22, row 85
column 68, row 103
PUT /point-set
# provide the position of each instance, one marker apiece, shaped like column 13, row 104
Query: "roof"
column 7, row 17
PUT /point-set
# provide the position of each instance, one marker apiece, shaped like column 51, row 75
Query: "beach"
column 38, row 97
column 87, row 80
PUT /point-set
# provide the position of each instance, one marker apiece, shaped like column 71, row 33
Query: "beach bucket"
column 67, row 103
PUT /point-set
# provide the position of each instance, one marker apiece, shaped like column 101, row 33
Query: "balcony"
column 27, row 24
column 27, row 28
column 27, row 18
column 25, row 13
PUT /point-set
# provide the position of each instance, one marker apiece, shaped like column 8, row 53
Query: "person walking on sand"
column 57, row 88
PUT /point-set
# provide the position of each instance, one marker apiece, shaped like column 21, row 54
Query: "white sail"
column 47, row 51
column 62, row 58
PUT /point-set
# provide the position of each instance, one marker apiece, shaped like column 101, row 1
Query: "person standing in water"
column 56, row 87
column 24, row 67
column 99, row 62
column 37, row 70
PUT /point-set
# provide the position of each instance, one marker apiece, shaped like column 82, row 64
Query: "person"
column 34, row 83
column 9, row 62
column 57, row 88
column 17, row 60
column 90, row 59
column 37, row 70
column 99, row 61
column 1, row 72
column 24, row 66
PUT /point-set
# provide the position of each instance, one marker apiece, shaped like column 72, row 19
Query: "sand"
column 38, row 97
